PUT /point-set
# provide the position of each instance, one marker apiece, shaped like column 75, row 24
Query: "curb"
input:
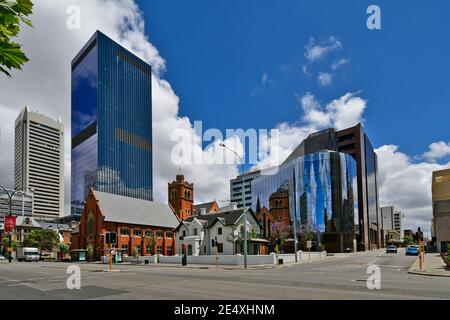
column 414, row 270
column 424, row 273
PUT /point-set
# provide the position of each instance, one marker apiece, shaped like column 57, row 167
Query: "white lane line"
column 19, row 284
column 33, row 279
column 5, row 281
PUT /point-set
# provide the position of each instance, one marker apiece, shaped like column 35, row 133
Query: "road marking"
column 19, row 284
column 33, row 279
column 4, row 281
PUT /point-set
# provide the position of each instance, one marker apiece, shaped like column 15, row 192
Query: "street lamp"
column 243, row 202
column 10, row 196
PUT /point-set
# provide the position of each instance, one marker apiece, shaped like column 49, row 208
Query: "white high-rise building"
column 392, row 223
column 39, row 162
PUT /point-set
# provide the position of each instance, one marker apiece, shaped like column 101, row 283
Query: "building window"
column 137, row 232
column 159, row 234
column 90, row 224
column 219, row 231
column 212, row 243
column 184, row 233
column 204, row 249
column 169, row 250
column 138, row 249
column 124, row 231
column 169, row 234
column 219, row 247
column 149, row 249
column 195, row 232
column 125, row 249
column 149, row 233
column 159, row 250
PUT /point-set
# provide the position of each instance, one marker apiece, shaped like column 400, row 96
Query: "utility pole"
column 243, row 203
column 295, row 214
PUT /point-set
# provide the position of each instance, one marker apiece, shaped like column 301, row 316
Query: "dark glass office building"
column 322, row 189
column 354, row 142
column 111, row 122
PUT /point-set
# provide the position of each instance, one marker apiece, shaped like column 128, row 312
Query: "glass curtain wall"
column 322, row 190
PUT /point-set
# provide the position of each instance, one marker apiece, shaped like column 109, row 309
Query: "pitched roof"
column 23, row 221
column 206, row 205
column 122, row 209
column 58, row 226
column 227, row 217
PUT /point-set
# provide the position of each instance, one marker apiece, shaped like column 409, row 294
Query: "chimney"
column 202, row 211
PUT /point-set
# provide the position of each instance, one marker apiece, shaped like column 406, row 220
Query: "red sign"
column 10, row 223
column 183, row 246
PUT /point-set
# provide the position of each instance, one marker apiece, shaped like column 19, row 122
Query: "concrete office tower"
column 39, row 162
column 440, row 189
column 236, row 184
column 111, row 122
column 392, row 224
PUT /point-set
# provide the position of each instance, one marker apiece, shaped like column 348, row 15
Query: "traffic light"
column 111, row 237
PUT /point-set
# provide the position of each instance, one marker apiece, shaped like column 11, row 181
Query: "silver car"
column 391, row 249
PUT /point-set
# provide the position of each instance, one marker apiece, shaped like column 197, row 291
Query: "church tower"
column 181, row 197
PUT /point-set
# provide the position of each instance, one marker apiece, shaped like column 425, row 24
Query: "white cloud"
column 317, row 50
column 340, row 113
column 406, row 185
column 44, row 84
column 338, row 63
column 324, row 79
column 437, row 150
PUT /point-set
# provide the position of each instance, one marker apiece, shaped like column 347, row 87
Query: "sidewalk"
column 433, row 266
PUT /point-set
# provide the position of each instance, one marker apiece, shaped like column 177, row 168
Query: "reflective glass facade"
column 111, row 122
column 322, row 191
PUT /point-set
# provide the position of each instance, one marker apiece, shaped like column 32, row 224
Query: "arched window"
column 90, row 226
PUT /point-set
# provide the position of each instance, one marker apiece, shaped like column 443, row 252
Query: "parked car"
column 2, row 258
column 28, row 254
column 391, row 249
column 412, row 250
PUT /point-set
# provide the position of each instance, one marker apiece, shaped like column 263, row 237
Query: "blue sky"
column 217, row 53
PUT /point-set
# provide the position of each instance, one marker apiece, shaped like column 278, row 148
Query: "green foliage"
column 63, row 248
column 90, row 251
column 151, row 241
column 407, row 240
column 12, row 13
column 136, row 252
column 14, row 243
column 42, row 239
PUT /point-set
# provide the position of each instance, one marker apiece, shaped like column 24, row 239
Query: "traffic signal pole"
column 110, row 257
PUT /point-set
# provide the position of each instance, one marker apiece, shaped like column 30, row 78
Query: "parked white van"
column 28, row 254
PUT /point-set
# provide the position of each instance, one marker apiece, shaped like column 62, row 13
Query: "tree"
column 90, row 251
column 151, row 241
column 63, row 249
column 42, row 239
column 14, row 243
column 136, row 254
column 407, row 240
column 11, row 14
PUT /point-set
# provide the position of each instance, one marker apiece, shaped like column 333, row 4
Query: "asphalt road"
column 340, row 277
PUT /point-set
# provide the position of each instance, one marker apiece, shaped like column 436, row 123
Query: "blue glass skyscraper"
column 322, row 191
column 111, row 122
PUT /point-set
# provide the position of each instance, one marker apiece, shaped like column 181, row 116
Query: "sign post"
column 217, row 254
column 10, row 225
column 111, row 238
column 184, row 257
column 309, row 246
